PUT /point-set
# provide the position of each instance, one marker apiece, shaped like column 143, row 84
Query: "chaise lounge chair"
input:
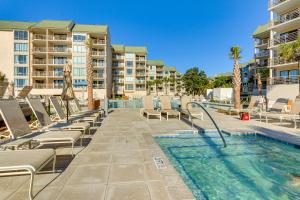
column 191, row 112
column 21, row 133
column 281, row 106
column 292, row 115
column 62, row 116
column 252, row 107
column 149, row 108
column 23, row 162
column 166, row 107
column 45, row 121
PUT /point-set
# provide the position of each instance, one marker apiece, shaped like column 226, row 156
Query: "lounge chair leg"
column 179, row 116
column 72, row 150
column 167, row 117
column 31, row 185
column 54, row 163
column 160, row 117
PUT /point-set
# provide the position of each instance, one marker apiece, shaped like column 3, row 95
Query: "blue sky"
column 182, row 33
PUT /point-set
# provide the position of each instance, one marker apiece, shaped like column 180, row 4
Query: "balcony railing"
column 262, row 42
column 39, row 49
column 99, row 86
column 285, row 38
column 47, row 86
column 97, row 42
column 118, row 80
column 57, row 62
column 99, row 76
column 98, row 53
column 60, row 49
column 140, row 81
column 280, row 61
column 261, row 54
column 39, row 61
column 273, row 3
column 287, row 17
column 140, row 74
column 59, row 37
column 39, row 73
column 39, row 37
column 283, row 80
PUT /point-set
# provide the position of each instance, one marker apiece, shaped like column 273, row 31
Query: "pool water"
column 250, row 167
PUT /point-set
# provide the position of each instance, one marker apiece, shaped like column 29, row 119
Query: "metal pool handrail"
column 214, row 122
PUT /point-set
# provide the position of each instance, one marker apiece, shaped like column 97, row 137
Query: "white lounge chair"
column 45, row 121
column 23, row 162
column 279, row 107
column 20, row 132
column 149, row 108
column 62, row 116
column 166, row 107
column 192, row 112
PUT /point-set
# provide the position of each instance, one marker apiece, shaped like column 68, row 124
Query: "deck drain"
column 159, row 162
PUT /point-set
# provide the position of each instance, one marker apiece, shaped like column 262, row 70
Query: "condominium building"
column 35, row 53
column 129, row 70
column 284, row 28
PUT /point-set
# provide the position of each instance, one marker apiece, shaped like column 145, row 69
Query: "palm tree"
column 157, row 83
column 290, row 52
column 149, row 84
column 89, row 74
column 235, row 54
column 166, row 81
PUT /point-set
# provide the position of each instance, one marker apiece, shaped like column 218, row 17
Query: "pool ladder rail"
column 211, row 118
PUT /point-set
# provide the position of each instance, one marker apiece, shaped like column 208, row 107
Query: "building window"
column 60, row 60
column 129, row 72
column 79, row 83
column 79, row 60
column 115, row 63
column 129, row 63
column 21, row 47
column 79, row 38
column 98, row 62
column 129, row 79
column 58, row 71
column 21, row 59
column 19, row 83
column 21, row 35
column 79, row 48
column 79, row 71
column 128, row 86
column 21, row 71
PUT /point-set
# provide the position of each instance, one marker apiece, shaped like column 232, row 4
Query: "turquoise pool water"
column 251, row 167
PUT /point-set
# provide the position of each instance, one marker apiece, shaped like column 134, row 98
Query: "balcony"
column 118, row 66
column 140, row 88
column 140, row 67
column 60, row 50
column 57, row 62
column 39, row 50
column 140, row 81
column 59, row 38
column 47, row 86
column 273, row 3
column 280, row 61
column 140, row 74
column 118, row 74
column 140, row 59
column 39, row 74
column 287, row 17
column 285, row 38
column 39, row 61
column 98, row 42
column 98, row 76
column 39, row 37
column 261, row 43
column 99, row 86
column 283, row 80
column 56, row 74
column 98, row 53
column 118, row 80
column 262, row 54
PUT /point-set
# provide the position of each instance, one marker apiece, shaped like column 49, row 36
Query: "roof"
column 224, row 74
column 57, row 24
column 15, row 25
column 118, row 48
column 86, row 28
column 155, row 62
column 129, row 49
column 261, row 29
column 136, row 49
column 170, row 68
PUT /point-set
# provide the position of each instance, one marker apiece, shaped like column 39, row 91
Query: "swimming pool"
column 251, row 167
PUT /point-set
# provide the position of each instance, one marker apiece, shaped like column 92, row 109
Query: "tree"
column 2, row 77
column 90, row 73
column 235, row 54
column 149, row 84
column 222, row 82
column 290, row 52
column 195, row 81
column 166, row 81
column 157, row 83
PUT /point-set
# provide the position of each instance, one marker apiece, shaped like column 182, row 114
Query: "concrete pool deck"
column 117, row 161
